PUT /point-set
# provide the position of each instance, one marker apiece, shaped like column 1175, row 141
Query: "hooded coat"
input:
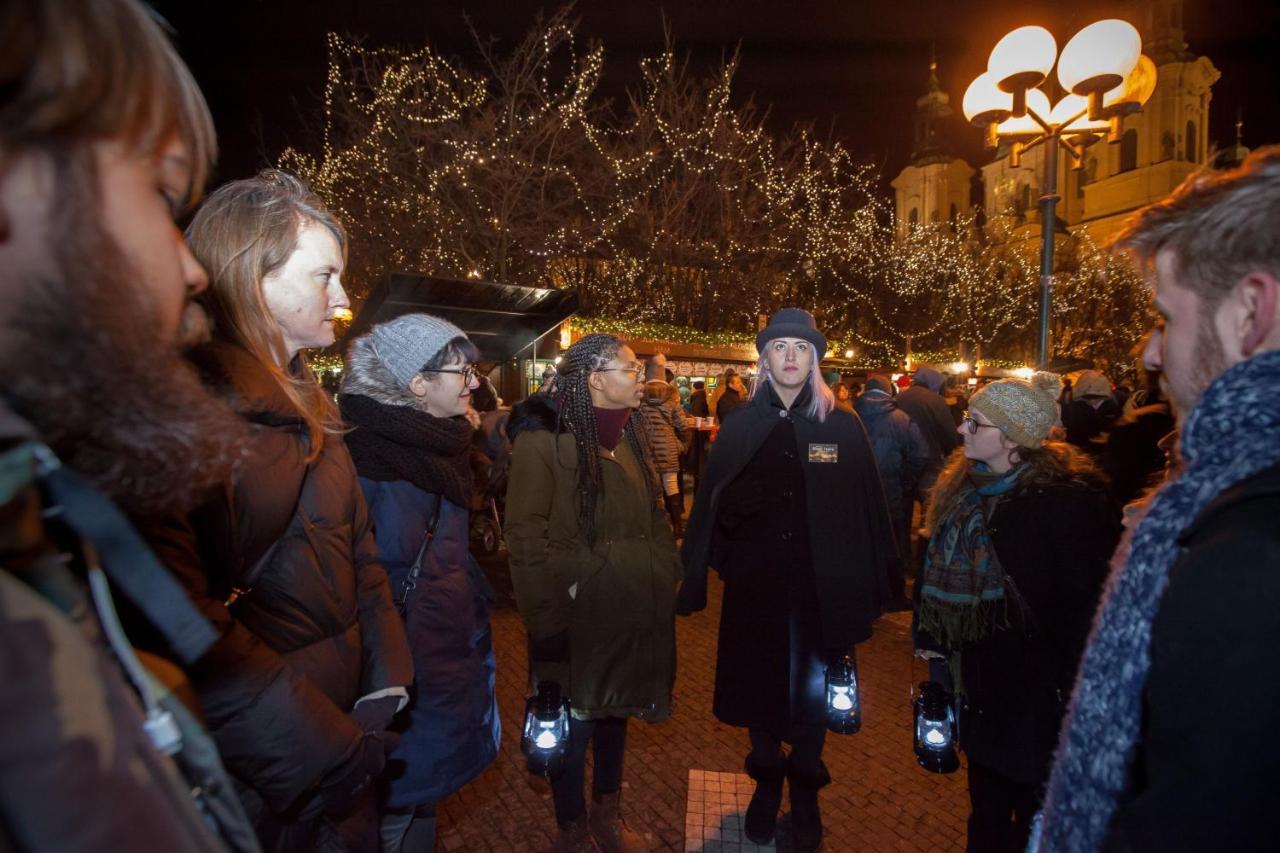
column 899, row 446
column 452, row 728
column 932, row 415
column 667, row 430
column 801, row 537
column 608, row 608
column 316, row 630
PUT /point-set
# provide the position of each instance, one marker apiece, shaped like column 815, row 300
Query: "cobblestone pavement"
column 879, row 799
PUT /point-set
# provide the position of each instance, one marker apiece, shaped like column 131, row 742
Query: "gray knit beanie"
column 406, row 344
column 1026, row 411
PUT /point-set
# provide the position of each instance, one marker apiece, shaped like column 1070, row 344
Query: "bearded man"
column 104, row 140
column 1166, row 741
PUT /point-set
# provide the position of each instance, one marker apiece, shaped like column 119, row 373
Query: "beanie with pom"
column 1024, row 410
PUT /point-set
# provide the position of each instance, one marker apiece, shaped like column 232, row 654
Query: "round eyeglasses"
column 468, row 373
column 973, row 426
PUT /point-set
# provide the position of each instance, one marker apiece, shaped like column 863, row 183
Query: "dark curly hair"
column 576, row 416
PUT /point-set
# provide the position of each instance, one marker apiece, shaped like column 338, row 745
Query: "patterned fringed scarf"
column 964, row 591
column 1232, row 434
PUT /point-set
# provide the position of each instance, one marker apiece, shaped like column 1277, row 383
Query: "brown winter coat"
column 667, row 429
column 616, row 599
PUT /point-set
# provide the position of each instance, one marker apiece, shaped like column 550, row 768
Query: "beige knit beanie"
column 1025, row 410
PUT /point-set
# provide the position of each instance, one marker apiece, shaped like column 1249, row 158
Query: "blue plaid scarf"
column 963, row 586
column 1232, row 434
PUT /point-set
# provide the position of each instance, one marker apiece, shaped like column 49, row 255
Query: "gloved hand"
column 342, row 787
column 740, row 501
column 374, row 715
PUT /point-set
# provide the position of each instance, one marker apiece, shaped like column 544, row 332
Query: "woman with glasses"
column 793, row 518
column 595, row 570
column 314, row 663
column 1021, row 530
column 405, row 395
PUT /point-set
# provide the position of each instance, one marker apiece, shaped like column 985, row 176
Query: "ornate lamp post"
column 1106, row 77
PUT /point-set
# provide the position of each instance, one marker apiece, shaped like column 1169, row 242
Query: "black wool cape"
column 850, row 537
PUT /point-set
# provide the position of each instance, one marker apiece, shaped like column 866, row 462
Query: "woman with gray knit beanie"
column 1021, row 530
column 405, row 395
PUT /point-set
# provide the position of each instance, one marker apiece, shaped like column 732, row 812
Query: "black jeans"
column 609, row 741
column 806, row 739
column 1001, row 811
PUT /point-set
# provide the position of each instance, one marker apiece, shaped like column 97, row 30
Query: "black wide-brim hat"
column 792, row 323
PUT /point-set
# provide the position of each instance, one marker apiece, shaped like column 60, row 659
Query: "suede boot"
column 806, row 821
column 762, row 812
column 574, row 837
column 610, row 830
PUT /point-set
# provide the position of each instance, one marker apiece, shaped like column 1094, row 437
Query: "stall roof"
column 502, row 320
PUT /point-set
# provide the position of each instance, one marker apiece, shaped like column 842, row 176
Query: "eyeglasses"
column 467, row 373
column 633, row 368
column 973, row 426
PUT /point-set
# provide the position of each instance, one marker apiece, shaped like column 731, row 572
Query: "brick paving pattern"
column 879, row 799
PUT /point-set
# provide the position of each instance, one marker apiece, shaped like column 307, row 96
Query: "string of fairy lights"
column 677, row 218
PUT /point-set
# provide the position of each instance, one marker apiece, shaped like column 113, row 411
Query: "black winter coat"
column 317, row 630
column 1206, row 765
column 729, row 402
column 932, row 414
column 1054, row 543
column 790, row 512
column 899, row 446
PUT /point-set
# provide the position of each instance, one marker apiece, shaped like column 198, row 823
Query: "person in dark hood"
column 901, row 457
column 594, row 566
column 926, row 406
column 792, row 516
column 405, row 393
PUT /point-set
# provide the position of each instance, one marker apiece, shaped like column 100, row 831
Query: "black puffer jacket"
column 900, row 449
column 316, row 629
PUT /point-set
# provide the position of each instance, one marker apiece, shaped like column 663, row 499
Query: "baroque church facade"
column 1158, row 147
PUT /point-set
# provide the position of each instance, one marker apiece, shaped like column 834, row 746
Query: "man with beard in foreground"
column 104, row 139
column 1167, row 741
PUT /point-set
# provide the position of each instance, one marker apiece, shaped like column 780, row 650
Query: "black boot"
column 675, row 509
column 762, row 813
column 806, row 822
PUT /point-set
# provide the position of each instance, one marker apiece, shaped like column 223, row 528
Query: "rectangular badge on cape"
column 824, row 452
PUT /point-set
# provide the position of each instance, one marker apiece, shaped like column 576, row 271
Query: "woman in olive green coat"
column 595, row 570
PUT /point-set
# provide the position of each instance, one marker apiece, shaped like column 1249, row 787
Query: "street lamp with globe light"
column 1106, row 76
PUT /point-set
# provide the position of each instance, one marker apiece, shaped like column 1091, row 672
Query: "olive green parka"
column 601, row 619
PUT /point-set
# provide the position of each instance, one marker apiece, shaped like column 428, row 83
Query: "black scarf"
column 401, row 443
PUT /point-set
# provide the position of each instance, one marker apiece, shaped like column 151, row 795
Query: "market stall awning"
column 503, row 320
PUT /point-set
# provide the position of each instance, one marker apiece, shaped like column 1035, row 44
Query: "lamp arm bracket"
column 1066, row 125
column 1040, row 121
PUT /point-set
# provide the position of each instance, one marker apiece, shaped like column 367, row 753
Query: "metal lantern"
column 844, row 710
column 936, row 729
column 546, row 730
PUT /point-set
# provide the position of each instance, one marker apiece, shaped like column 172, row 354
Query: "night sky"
column 850, row 69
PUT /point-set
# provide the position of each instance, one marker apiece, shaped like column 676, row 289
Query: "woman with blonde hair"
column 314, row 662
column 1021, row 529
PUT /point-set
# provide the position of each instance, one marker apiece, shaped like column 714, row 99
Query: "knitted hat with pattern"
column 406, row 344
column 1025, row 410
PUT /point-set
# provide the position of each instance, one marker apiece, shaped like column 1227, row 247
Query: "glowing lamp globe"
column 1022, row 59
column 1099, row 57
column 1135, row 91
column 545, row 738
column 1075, row 108
column 984, row 103
column 935, row 732
column 844, row 711
column 1026, row 126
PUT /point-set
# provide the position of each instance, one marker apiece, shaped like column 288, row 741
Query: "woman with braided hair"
column 595, row 570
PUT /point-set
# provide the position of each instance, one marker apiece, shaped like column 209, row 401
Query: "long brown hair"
column 1052, row 462
column 245, row 231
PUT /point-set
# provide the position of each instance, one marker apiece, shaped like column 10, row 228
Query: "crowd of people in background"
column 239, row 614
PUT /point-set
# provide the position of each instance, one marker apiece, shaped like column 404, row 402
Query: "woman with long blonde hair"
column 1021, row 529
column 314, row 661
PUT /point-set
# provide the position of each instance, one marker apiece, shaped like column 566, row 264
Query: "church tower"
column 935, row 186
